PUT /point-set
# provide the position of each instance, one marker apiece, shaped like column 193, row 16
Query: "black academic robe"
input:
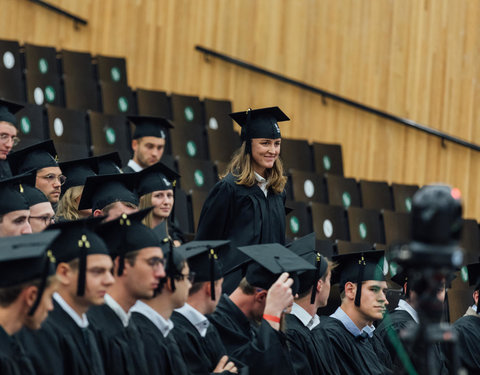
column 201, row 354
column 163, row 354
column 303, row 348
column 468, row 347
column 13, row 360
column 401, row 319
column 128, row 169
column 121, row 348
column 244, row 216
column 343, row 353
column 5, row 171
column 62, row 347
column 262, row 348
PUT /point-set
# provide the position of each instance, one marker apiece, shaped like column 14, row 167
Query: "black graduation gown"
column 401, row 319
column 343, row 353
column 162, row 353
column 303, row 349
column 128, row 169
column 5, row 171
column 262, row 348
column 13, row 360
column 121, row 348
column 201, row 354
column 468, row 346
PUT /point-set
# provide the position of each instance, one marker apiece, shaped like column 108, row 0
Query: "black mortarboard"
column 12, row 193
column 358, row 267
column 259, row 123
column 7, row 111
column 203, row 259
column 77, row 171
column 25, row 258
column 126, row 234
column 270, row 261
column 156, row 177
column 102, row 190
column 305, row 248
column 33, row 195
column 474, row 275
column 77, row 240
column 38, row 156
column 148, row 126
column 109, row 163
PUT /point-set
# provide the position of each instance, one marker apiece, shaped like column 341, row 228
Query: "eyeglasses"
column 51, row 178
column 190, row 277
column 155, row 262
column 47, row 220
column 5, row 138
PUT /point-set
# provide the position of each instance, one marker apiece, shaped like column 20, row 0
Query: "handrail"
column 58, row 10
column 326, row 94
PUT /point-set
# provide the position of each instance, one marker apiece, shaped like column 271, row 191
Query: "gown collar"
column 164, row 326
column 307, row 320
column 80, row 321
column 195, row 317
column 405, row 306
column 350, row 326
column 117, row 309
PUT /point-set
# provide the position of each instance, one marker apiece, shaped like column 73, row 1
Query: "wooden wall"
column 414, row 58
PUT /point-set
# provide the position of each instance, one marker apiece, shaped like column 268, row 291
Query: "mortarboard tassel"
column 211, row 257
column 49, row 259
column 83, row 244
column 317, row 276
column 248, row 140
column 361, row 271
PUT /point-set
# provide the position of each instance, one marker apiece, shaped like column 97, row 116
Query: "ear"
column 405, row 289
column 97, row 212
column 350, row 290
column 116, row 262
column 319, row 285
column 64, row 273
column 29, row 295
column 475, row 296
column 134, row 145
column 261, row 297
column 206, row 288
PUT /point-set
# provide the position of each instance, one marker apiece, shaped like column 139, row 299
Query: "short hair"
column 246, row 288
column 196, row 287
column 108, row 207
column 131, row 257
column 9, row 294
column 330, row 266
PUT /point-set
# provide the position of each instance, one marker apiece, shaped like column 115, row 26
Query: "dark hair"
column 8, row 295
column 246, row 288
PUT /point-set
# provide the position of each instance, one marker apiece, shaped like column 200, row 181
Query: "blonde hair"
column 241, row 167
column 67, row 207
column 145, row 202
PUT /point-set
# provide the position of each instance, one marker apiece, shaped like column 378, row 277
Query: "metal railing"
column 58, row 10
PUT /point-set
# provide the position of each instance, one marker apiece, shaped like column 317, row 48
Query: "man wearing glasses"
column 8, row 134
column 41, row 211
column 42, row 158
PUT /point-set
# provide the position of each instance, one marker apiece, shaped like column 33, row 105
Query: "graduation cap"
column 77, row 171
column 305, row 248
column 109, row 163
column 358, row 267
column 12, row 193
column 149, row 126
column 102, row 190
column 156, row 177
column 33, row 195
column 269, row 262
column 127, row 234
column 203, row 259
column 77, row 240
column 26, row 258
column 7, row 111
column 259, row 123
column 32, row 158
column 474, row 279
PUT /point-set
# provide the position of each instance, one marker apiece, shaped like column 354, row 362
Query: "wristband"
column 272, row 318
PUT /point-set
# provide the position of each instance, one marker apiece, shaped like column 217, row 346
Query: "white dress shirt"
column 124, row 317
column 307, row 320
column 403, row 305
column 262, row 183
column 81, row 321
column 195, row 317
column 164, row 325
column 134, row 166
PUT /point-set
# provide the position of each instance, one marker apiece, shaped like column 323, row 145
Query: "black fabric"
column 5, row 171
column 244, row 216
column 122, row 349
column 264, row 349
column 128, row 169
column 163, row 354
column 343, row 353
column 13, row 360
column 468, row 345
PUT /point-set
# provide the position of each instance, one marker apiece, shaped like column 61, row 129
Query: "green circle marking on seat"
column 189, row 113
column 294, row 224
column 464, row 274
column 43, row 66
column 115, row 74
column 198, row 177
column 346, row 199
column 362, row 230
column 327, row 163
column 191, row 149
column 408, row 204
column 110, row 136
column 122, row 104
column 50, row 94
column 213, row 123
column 25, row 125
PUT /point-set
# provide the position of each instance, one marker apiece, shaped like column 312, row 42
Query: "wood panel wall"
column 414, row 58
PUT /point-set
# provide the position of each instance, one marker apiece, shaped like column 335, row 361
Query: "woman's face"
column 162, row 200
column 264, row 153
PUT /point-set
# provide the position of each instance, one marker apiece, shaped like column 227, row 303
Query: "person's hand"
column 225, row 365
column 279, row 298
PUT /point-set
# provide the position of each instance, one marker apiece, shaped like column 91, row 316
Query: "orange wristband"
column 272, row 318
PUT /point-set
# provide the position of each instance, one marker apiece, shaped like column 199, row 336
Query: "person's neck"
column 199, row 302
column 261, row 171
column 120, row 294
column 157, row 220
column 352, row 311
column 305, row 304
column 162, row 304
column 243, row 302
column 73, row 301
column 9, row 319
column 135, row 159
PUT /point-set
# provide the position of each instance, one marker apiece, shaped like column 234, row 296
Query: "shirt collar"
column 474, row 308
column 81, row 321
column 164, row 325
column 122, row 315
column 350, row 325
column 307, row 320
column 262, row 183
column 405, row 306
column 195, row 317
column 134, row 166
